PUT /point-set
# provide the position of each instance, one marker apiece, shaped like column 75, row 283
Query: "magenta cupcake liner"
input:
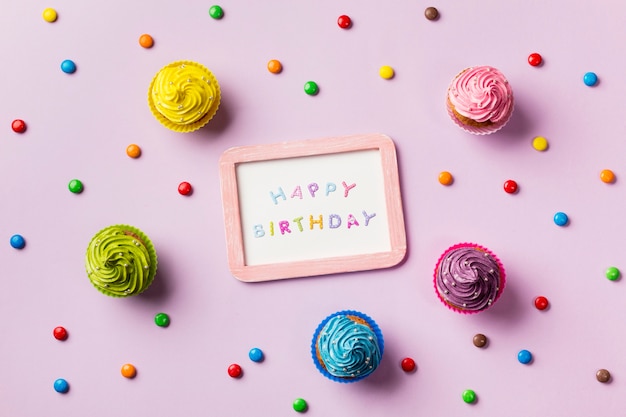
column 486, row 251
column 372, row 324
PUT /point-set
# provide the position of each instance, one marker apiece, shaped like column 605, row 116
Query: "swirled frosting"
column 120, row 261
column 468, row 278
column 184, row 92
column 348, row 348
column 481, row 94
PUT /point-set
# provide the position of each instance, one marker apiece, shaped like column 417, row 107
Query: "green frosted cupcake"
column 121, row 261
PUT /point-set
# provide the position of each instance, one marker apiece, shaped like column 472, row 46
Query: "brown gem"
column 603, row 375
column 480, row 340
column 431, row 13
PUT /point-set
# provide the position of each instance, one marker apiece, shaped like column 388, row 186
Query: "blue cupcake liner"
column 370, row 322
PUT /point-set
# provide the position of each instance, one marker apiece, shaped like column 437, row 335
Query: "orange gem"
column 445, row 178
column 607, row 176
column 129, row 371
column 146, row 41
column 274, row 66
column 134, row 151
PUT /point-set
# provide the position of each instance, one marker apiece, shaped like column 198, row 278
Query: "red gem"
column 344, row 21
column 541, row 303
column 534, row 59
column 408, row 365
column 18, row 126
column 184, row 188
column 510, row 186
column 60, row 333
column 234, row 370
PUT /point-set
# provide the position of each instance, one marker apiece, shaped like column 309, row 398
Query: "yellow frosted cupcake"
column 184, row 96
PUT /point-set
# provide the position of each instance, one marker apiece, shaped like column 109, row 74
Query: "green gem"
column 162, row 320
column 612, row 273
column 300, row 405
column 216, row 12
column 469, row 396
column 311, row 88
column 75, row 186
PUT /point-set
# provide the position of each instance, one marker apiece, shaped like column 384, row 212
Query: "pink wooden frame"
column 232, row 220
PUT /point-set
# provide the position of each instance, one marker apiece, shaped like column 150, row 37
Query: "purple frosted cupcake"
column 347, row 346
column 469, row 278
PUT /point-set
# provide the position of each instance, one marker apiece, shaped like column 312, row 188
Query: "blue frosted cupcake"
column 347, row 346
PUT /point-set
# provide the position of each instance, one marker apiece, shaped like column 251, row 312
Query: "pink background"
column 80, row 124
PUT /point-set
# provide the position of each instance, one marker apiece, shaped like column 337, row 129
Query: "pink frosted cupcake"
column 469, row 278
column 480, row 100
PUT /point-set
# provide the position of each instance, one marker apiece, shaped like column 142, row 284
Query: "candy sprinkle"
column 162, row 320
column 59, row 333
column 256, row 355
column 469, row 396
column 61, row 386
column 408, row 365
column 524, row 356
column 75, row 186
column 184, row 188
column 541, row 303
column 18, row 242
column 134, row 151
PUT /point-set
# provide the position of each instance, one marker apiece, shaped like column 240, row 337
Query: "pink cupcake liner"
column 476, row 130
column 484, row 249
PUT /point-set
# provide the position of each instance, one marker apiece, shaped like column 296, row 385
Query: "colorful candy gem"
column 607, row 176
column 274, row 66
column 134, row 151
column 146, row 41
column 49, row 15
column 300, row 405
column 184, row 188
column 510, row 186
column 59, row 333
column 216, row 12
column 234, row 371
column 469, row 396
column 524, row 356
column 162, row 320
column 344, row 21
column 386, row 72
column 445, row 178
column 18, row 242
column 68, row 66
column 128, row 370
column 408, row 365
column 75, row 186
column 480, row 340
column 535, row 59
column 590, row 79
column 561, row 219
column 256, row 355
column 541, row 303
column 431, row 13
column 61, row 385
column 612, row 273
column 540, row 143
column 603, row 375
column 311, row 88
column 18, row 126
